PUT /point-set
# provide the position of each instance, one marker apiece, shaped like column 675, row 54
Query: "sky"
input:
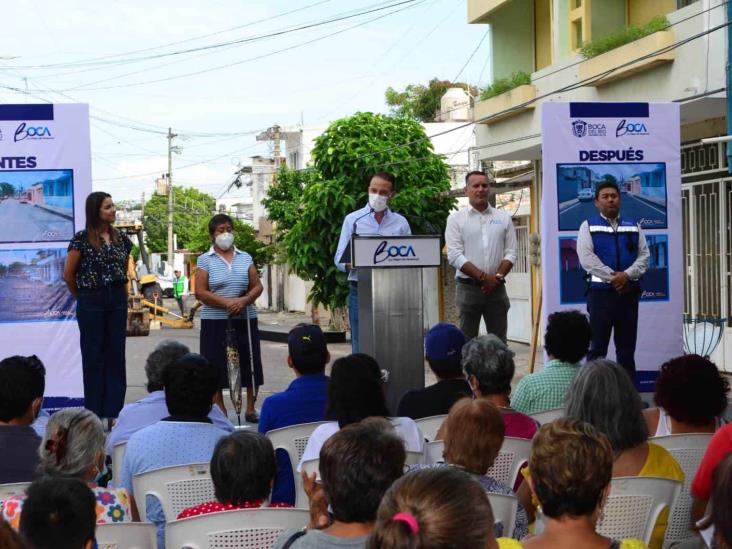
column 131, row 61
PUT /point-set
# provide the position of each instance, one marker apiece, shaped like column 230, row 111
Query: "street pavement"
column 277, row 375
column 645, row 213
column 34, row 223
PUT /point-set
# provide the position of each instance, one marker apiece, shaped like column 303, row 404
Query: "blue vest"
column 616, row 248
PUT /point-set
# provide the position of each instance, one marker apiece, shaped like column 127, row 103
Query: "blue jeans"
column 102, row 317
column 616, row 313
column 353, row 316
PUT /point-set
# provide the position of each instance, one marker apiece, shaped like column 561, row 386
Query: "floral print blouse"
column 104, row 267
column 113, row 505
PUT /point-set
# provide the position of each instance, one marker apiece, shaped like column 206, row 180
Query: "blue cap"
column 444, row 341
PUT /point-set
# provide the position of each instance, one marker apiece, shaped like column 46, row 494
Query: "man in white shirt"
column 481, row 245
column 375, row 218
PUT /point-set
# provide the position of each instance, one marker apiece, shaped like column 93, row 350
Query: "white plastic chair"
column 118, row 454
column 547, row 416
column 504, row 508
column 414, row 458
column 514, row 453
column 433, row 452
column 634, row 504
column 688, row 450
column 126, row 535
column 293, row 440
column 430, row 425
column 246, row 528
column 176, row 488
column 13, row 489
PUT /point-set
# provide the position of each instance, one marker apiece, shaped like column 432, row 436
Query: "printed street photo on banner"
column 32, row 287
column 572, row 277
column 642, row 192
column 36, row 205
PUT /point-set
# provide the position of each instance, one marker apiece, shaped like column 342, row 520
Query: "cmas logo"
column 580, row 128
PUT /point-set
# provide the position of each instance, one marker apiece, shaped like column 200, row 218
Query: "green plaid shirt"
column 544, row 390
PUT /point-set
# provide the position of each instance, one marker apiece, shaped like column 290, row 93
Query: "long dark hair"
column 355, row 390
column 93, row 222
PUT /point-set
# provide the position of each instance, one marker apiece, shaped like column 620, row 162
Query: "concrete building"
column 684, row 63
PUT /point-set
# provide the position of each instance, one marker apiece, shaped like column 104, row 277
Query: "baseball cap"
column 306, row 342
column 444, row 342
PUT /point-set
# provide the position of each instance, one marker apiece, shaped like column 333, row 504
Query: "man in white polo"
column 481, row 246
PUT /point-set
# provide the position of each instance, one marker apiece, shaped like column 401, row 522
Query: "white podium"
column 390, row 305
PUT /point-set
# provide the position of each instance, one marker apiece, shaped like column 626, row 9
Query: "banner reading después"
column 45, row 176
column 636, row 146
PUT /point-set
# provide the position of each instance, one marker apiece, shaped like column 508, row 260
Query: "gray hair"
column 72, row 442
column 490, row 360
column 166, row 352
column 603, row 395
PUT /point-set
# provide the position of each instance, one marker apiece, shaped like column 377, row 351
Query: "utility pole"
column 171, row 149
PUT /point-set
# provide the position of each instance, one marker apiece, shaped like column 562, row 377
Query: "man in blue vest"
column 614, row 253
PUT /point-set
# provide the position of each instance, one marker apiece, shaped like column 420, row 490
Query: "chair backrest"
column 547, row 416
column 118, row 455
column 414, row 458
column 430, row 425
column 293, row 440
column 688, row 450
column 13, row 489
column 634, row 504
column 126, row 535
column 504, row 509
column 433, row 452
column 514, row 453
column 246, row 528
column 175, row 487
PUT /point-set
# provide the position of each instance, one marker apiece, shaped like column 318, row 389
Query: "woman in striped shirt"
column 227, row 283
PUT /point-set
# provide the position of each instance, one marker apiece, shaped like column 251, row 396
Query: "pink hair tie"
column 409, row 519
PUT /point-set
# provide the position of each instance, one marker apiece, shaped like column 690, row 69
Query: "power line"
column 471, row 55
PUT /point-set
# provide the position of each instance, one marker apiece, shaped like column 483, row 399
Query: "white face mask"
column 225, row 240
column 377, row 202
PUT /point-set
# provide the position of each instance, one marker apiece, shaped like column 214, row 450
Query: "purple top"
column 519, row 425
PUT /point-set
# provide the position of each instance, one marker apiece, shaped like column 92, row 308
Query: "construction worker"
column 179, row 286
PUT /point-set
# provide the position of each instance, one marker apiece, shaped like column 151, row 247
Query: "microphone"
column 355, row 221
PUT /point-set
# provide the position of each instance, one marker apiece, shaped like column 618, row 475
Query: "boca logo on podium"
column 384, row 251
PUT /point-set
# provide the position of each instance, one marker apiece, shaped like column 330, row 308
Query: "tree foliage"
column 190, row 207
column 345, row 157
column 420, row 101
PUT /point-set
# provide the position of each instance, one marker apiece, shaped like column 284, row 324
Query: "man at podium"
column 374, row 219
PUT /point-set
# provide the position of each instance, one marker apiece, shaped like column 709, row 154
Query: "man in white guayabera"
column 374, row 219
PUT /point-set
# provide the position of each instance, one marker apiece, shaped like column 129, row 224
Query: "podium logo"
column 384, row 251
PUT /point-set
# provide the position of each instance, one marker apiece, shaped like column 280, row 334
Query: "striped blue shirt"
column 226, row 280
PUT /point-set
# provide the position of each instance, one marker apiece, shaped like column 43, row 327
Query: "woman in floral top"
column 243, row 469
column 73, row 446
column 96, row 274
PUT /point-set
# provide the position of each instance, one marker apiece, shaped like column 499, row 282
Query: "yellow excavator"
column 145, row 293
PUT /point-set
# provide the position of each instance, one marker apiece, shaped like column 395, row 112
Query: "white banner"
column 637, row 146
column 45, row 176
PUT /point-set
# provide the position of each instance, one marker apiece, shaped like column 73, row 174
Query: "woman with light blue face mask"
column 227, row 283
column 73, row 446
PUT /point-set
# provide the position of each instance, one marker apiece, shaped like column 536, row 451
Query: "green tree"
column 345, row 157
column 420, row 101
column 244, row 239
column 6, row 189
column 190, row 207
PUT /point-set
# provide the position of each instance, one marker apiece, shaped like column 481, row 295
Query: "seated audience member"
column 442, row 348
column 304, row 401
column 59, row 514
column 571, row 466
column 691, row 396
column 243, row 470
column 566, row 341
column 473, row 435
column 701, row 488
column 152, row 408
column 187, row 435
column 602, row 394
column 489, row 367
column 73, row 447
column 22, row 382
column 435, row 509
column 357, row 465
column 355, row 392
column 721, row 517
column 9, row 538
